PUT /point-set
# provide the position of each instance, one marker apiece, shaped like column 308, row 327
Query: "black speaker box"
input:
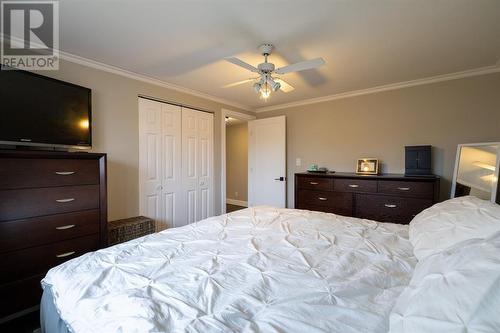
column 418, row 160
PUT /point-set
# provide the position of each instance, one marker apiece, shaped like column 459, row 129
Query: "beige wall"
column 237, row 161
column 335, row 133
column 116, row 130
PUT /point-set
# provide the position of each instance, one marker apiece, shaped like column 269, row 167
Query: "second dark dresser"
column 385, row 198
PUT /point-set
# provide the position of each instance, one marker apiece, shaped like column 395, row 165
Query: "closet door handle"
column 403, row 188
column 353, row 185
column 64, row 173
column 66, row 254
column 322, row 198
column 64, row 227
column 390, row 205
column 313, row 183
column 65, row 200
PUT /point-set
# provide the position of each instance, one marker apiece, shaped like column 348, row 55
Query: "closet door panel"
column 189, row 163
column 197, row 136
column 205, row 183
column 150, row 159
column 160, row 178
column 205, row 203
column 172, row 171
column 169, row 201
column 153, row 207
column 191, row 201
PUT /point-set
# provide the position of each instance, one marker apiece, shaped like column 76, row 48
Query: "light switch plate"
column 298, row 162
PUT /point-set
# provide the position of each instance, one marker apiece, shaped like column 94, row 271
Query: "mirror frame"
column 495, row 194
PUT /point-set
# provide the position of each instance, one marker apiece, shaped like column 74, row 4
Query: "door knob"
column 281, row 179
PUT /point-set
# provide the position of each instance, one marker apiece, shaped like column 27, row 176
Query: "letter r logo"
column 30, row 26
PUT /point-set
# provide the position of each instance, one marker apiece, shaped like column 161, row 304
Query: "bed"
column 260, row 269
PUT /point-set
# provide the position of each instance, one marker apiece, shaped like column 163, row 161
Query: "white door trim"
column 232, row 114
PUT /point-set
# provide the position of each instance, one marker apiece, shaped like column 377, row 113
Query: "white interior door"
column 267, row 162
column 197, row 161
column 160, row 178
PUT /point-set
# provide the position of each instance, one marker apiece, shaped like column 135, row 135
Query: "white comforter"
column 257, row 270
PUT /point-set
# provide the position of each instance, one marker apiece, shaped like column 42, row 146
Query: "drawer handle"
column 64, row 227
column 322, row 199
column 390, row 205
column 66, row 254
column 313, row 183
column 353, row 185
column 403, row 188
column 65, row 200
column 64, row 173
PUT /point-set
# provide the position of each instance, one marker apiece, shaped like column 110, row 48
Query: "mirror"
column 476, row 171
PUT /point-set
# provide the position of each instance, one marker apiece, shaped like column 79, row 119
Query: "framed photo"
column 367, row 166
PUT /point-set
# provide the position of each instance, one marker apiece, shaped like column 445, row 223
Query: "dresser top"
column 384, row 176
column 13, row 153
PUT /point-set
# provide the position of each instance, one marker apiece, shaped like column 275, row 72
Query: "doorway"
column 234, row 151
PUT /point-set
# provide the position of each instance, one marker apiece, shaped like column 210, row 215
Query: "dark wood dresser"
column 386, row 198
column 52, row 208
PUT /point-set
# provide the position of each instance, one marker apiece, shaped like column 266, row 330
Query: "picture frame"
column 367, row 166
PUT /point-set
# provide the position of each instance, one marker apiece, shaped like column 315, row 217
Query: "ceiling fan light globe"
column 276, row 86
column 256, row 87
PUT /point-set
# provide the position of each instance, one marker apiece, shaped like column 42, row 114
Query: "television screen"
column 37, row 110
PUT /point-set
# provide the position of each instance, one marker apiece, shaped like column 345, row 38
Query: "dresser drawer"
column 19, row 234
column 315, row 183
column 20, row 204
column 316, row 198
column 29, row 173
column 386, row 208
column 37, row 260
column 331, row 202
column 19, row 295
column 407, row 189
column 355, row 185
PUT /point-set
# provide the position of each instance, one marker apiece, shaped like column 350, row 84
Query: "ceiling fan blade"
column 301, row 66
column 241, row 63
column 237, row 83
column 285, row 87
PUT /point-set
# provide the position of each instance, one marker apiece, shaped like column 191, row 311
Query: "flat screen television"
column 39, row 111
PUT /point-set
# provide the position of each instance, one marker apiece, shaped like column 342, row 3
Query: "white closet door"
column 160, row 178
column 150, row 159
column 171, row 192
column 197, row 161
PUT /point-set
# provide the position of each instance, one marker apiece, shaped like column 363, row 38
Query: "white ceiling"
column 365, row 43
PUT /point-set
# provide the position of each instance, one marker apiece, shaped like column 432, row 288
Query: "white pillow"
column 452, row 221
column 454, row 291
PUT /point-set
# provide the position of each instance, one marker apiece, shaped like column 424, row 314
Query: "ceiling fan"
column 266, row 81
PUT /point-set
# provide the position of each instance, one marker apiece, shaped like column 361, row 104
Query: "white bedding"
column 257, row 270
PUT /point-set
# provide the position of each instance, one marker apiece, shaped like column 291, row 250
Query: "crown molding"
column 393, row 86
column 73, row 58
column 147, row 79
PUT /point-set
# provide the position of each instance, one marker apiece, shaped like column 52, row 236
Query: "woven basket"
column 120, row 231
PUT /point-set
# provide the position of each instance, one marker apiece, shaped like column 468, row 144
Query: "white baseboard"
column 237, row 202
